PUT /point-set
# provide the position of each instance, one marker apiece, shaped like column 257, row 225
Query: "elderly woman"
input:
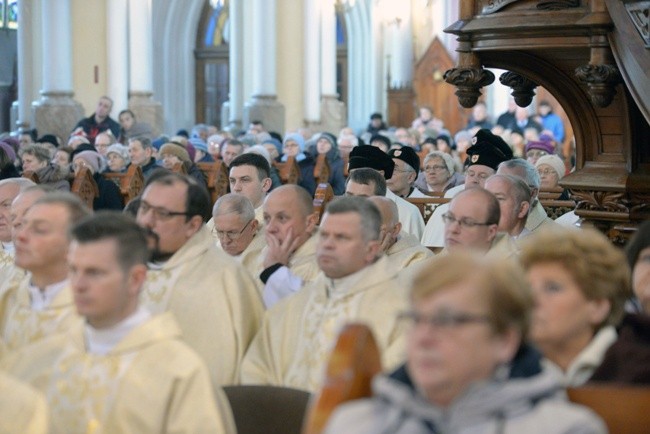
column 117, row 157
column 438, row 174
column 535, row 149
column 109, row 193
column 294, row 146
column 173, row 153
column 326, row 144
column 467, row 368
column 551, row 169
column 580, row 283
column 628, row 359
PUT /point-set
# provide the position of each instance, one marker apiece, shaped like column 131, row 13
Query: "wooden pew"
column 322, row 169
column 354, row 361
column 625, row 409
column 427, row 205
column 289, row 171
column 323, row 195
column 85, row 187
column 131, row 182
column 216, row 176
column 553, row 205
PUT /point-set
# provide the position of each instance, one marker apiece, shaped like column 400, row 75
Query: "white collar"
column 102, row 341
column 41, row 299
column 9, row 248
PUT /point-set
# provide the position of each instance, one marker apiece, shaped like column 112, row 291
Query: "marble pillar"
column 21, row 116
column 264, row 104
column 333, row 113
column 141, row 101
column 56, row 112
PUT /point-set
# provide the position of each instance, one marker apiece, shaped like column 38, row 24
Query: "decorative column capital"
column 523, row 89
column 469, row 81
column 601, row 81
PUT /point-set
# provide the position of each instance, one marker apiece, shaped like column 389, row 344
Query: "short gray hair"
column 234, row 203
column 368, row 211
column 22, row 183
column 531, row 176
column 522, row 191
column 445, row 157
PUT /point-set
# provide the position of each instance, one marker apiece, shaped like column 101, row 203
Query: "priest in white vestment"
column 122, row 370
column 212, row 297
column 293, row 345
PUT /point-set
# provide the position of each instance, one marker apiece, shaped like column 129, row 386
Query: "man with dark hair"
column 365, row 182
column 230, row 149
column 143, row 379
column 99, row 121
column 141, row 154
column 40, row 304
column 212, row 297
column 356, row 284
column 249, row 175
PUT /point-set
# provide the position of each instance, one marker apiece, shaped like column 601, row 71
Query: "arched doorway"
column 212, row 62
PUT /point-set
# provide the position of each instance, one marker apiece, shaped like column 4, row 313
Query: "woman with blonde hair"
column 580, row 282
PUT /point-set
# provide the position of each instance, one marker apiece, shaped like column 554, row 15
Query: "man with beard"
column 212, row 297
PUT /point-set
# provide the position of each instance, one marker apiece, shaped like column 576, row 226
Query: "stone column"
column 232, row 109
column 333, row 116
column 141, row 100
column 263, row 104
column 56, row 112
column 118, row 67
column 21, row 116
column 312, row 63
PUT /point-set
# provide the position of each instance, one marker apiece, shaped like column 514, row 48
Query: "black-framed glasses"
column 449, row 219
column 231, row 235
column 446, row 319
column 159, row 213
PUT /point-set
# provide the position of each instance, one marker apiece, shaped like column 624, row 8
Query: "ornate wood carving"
column 492, row 6
column 523, row 89
column 638, row 12
column 469, row 81
column 604, row 201
column 601, row 80
column 556, row 5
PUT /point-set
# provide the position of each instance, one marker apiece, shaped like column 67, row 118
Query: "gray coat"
column 536, row 404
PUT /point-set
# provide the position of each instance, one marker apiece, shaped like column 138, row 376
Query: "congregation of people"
column 131, row 316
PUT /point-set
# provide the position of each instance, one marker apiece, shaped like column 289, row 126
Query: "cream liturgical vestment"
column 23, row 410
column 22, row 324
column 250, row 257
column 294, row 344
column 214, row 301
column 406, row 251
column 149, row 382
column 9, row 273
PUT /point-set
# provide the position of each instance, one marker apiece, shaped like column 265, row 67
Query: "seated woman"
column 628, row 359
column 580, row 282
column 117, row 157
column 109, row 193
column 294, row 146
column 467, row 367
column 438, row 174
column 173, row 153
column 551, row 169
column 326, row 144
column 37, row 159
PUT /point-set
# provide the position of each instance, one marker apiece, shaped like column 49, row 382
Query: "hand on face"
column 280, row 251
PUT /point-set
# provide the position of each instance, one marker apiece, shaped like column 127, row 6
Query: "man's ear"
column 524, row 207
column 194, row 223
column 267, row 183
column 397, row 229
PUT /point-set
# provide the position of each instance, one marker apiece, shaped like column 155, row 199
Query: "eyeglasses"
column 536, row 153
column 449, row 219
column 547, row 172
column 409, row 170
column 442, row 320
column 231, row 235
column 434, row 168
column 159, row 213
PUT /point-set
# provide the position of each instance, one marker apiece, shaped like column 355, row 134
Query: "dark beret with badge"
column 372, row 157
column 488, row 150
column 407, row 155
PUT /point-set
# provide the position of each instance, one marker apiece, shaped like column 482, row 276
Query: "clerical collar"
column 340, row 285
column 102, row 341
column 41, row 299
column 156, row 265
column 9, row 248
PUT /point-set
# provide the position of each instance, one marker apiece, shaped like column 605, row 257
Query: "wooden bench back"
column 322, row 169
column 427, row 205
column 85, row 187
column 353, row 363
column 625, row 409
column 323, row 195
column 289, row 171
column 131, row 182
column 216, row 176
column 554, row 207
